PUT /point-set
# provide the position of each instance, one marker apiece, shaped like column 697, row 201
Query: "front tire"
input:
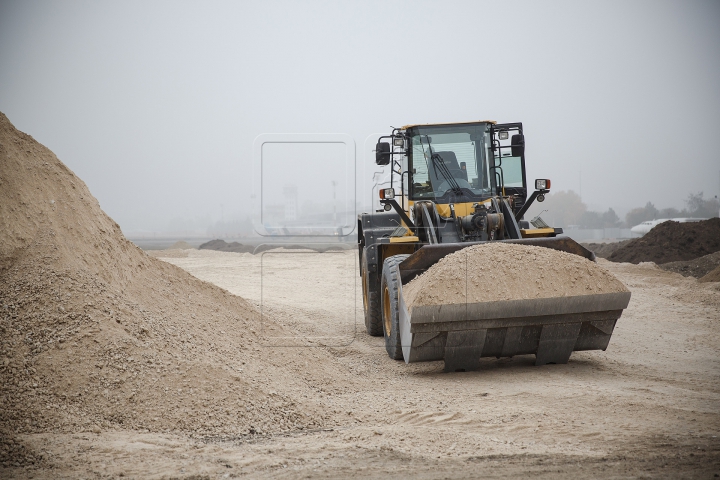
column 390, row 305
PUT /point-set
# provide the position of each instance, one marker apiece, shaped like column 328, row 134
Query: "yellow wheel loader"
column 452, row 186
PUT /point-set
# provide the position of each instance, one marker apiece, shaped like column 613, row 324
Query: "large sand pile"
column 95, row 334
column 505, row 271
column 672, row 242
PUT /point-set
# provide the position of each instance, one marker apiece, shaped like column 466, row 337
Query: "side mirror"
column 517, row 145
column 382, row 153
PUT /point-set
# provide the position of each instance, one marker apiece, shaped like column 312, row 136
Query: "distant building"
column 645, row 227
column 291, row 203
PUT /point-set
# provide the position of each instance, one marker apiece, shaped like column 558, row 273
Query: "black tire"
column 389, row 304
column 371, row 302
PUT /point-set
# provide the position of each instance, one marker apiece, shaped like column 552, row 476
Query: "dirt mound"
column 698, row 267
column 306, row 246
column 672, row 242
column 95, row 334
column 713, row 276
column 604, row 250
column 180, row 245
column 223, row 246
column 503, row 271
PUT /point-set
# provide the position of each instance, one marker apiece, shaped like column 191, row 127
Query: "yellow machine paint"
column 461, row 209
column 537, row 232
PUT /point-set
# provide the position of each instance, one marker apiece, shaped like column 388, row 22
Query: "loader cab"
column 449, row 163
column 467, row 162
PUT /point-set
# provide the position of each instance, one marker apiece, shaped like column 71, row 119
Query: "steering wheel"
column 445, row 186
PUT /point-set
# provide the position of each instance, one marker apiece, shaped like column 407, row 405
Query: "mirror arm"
column 528, row 203
column 401, row 212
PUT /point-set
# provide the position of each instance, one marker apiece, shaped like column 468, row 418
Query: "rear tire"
column 390, row 305
column 371, row 302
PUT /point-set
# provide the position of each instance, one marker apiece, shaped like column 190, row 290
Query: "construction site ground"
column 117, row 362
column 649, row 406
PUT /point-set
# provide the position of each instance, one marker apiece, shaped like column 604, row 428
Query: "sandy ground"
column 648, row 407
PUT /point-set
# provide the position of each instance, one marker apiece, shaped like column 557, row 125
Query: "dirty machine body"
column 452, row 186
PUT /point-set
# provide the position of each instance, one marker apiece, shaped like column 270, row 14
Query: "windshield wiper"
column 440, row 166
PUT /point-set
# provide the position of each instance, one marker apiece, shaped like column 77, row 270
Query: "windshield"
column 449, row 160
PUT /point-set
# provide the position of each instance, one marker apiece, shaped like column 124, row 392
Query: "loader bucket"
column 461, row 334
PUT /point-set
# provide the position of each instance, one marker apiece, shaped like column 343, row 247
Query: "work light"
column 387, row 193
column 542, row 184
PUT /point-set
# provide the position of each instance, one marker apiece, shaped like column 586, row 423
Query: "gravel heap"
column 506, row 271
column 604, row 250
column 672, row 242
column 96, row 335
column 237, row 247
column 223, row 246
column 713, row 276
column 697, row 267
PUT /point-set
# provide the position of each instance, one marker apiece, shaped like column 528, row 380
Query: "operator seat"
column 450, row 161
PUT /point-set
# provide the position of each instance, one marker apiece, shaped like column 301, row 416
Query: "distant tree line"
column 561, row 209
column 565, row 208
column 695, row 206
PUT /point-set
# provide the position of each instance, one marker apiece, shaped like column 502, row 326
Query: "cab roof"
column 446, row 123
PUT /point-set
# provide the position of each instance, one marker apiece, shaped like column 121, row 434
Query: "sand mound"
column 504, row 271
column 672, row 242
column 697, row 267
column 180, row 245
column 95, row 334
column 713, row 276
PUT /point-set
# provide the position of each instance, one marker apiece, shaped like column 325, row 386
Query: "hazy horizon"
column 156, row 105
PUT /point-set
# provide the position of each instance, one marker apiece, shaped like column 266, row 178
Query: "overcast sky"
column 155, row 105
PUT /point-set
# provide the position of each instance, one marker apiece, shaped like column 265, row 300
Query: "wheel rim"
column 386, row 312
